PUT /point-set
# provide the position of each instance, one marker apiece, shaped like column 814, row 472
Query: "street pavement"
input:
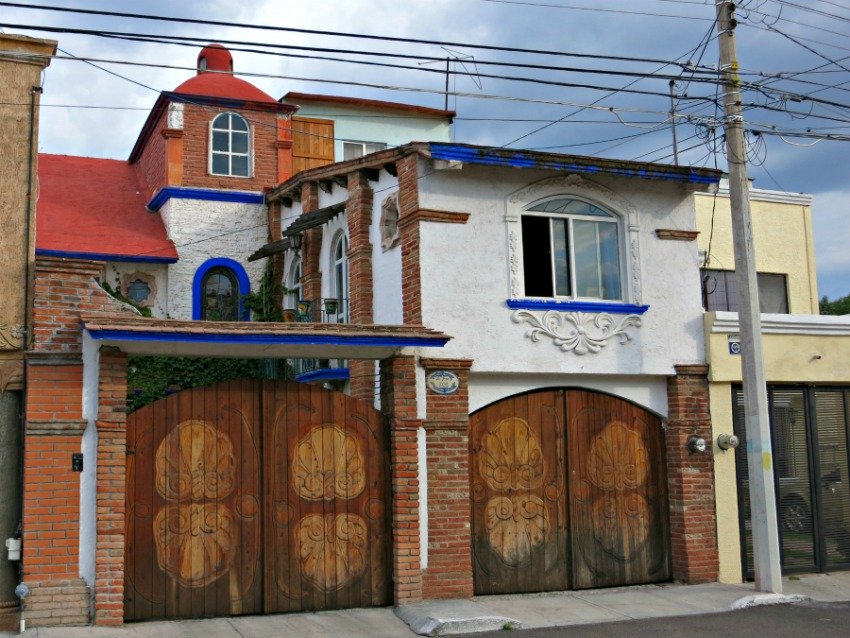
column 656, row 610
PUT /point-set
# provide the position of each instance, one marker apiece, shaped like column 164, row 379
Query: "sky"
column 806, row 39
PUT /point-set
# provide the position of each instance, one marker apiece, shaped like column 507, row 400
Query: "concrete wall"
column 370, row 124
column 117, row 272
column 784, row 243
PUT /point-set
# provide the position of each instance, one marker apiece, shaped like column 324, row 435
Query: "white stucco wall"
column 362, row 124
column 88, row 477
column 204, row 230
column 386, row 264
column 116, row 271
column 466, row 280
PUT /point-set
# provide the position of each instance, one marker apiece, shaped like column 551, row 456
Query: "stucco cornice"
column 818, row 325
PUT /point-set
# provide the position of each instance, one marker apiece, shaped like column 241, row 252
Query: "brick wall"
column 153, row 162
column 62, row 602
column 690, row 478
column 449, row 573
column 54, row 428
column 111, row 479
column 51, row 495
column 408, row 228
column 311, row 275
column 358, row 211
column 63, row 289
column 196, row 132
column 398, row 401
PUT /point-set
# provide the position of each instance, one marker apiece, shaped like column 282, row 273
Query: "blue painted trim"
column 241, row 278
column 67, row 254
column 266, row 339
column 323, row 374
column 204, row 194
column 526, row 159
column 577, row 306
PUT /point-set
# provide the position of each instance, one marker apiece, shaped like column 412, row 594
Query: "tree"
column 840, row 306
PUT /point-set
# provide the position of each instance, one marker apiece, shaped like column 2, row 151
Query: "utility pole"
column 759, row 454
column 673, row 123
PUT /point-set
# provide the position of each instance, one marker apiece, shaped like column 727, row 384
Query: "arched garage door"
column 569, row 492
column 253, row 496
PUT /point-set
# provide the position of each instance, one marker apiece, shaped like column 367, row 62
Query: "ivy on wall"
column 152, row 378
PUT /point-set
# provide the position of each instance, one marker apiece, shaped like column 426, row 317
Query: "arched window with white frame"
column 230, row 146
column 339, row 278
column 571, row 250
column 293, row 284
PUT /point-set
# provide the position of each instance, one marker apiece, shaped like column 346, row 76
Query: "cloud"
column 762, row 50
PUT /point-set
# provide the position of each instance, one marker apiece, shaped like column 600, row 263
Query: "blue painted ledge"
column 206, row 194
column 323, row 374
column 577, row 306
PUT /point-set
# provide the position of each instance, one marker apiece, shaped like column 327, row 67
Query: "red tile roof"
column 296, row 97
column 223, row 85
column 92, row 206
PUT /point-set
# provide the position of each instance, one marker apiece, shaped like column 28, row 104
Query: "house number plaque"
column 443, row 382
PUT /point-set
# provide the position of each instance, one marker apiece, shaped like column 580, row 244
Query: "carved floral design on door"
column 511, row 462
column 333, row 549
column 194, row 533
column 618, row 465
column 328, row 464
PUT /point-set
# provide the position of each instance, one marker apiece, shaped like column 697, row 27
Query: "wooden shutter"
column 312, row 143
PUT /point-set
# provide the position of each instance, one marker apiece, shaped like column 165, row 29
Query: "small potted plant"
column 303, row 308
column 331, row 306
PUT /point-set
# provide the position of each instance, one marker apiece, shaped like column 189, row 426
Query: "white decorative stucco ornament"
column 576, row 332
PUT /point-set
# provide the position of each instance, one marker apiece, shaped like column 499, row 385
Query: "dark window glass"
column 220, row 290
column 537, row 256
column 572, row 251
column 720, row 291
column 138, row 291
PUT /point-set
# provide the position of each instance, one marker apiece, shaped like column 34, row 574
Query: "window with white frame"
column 571, row 250
column 353, row 150
column 293, row 285
column 230, row 146
column 339, row 278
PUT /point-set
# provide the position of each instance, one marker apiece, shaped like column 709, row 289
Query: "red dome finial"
column 215, row 57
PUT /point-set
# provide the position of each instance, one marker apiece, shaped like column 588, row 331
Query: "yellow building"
column 807, row 365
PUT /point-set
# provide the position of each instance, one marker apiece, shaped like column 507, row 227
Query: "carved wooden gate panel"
column 568, row 492
column 518, row 485
column 249, row 497
column 327, row 498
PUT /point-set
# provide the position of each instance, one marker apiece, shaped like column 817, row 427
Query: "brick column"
column 449, row 572
column 311, row 246
column 283, row 144
column 690, row 478
column 173, row 156
column 398, row 402
column 408, row 230
column 51, row 505
column 111, row 480
column 358, row 211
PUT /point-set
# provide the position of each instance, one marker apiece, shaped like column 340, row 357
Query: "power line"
column 549, row 5
column 382, row 38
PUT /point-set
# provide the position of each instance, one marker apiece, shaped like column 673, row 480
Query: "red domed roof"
column 215, row 78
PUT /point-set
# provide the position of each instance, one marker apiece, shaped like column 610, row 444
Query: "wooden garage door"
column 568, row 492
column 255, row 496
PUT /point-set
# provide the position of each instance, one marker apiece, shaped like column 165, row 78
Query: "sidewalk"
column 528, row 610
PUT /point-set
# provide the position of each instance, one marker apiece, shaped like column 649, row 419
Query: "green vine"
column 152, row 378
column 116, row 294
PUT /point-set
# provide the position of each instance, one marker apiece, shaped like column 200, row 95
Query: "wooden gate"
column 569, row 492
column 255, row 496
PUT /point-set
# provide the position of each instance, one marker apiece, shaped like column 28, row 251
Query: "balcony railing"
column 330, row 311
